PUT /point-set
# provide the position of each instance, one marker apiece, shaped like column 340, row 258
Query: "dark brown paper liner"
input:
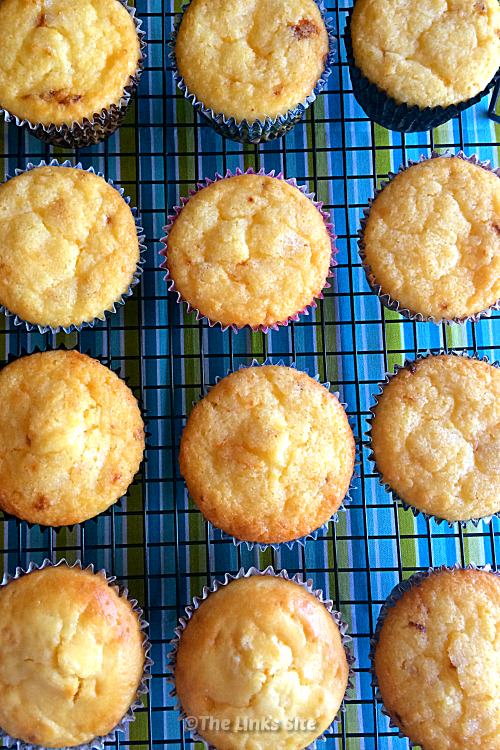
column 90, row 131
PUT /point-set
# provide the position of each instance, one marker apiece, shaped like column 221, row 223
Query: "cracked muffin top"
column 268, row 454
column 261, row 648
column 64, row 61
column 252, row 59
column 437, row 661
column 249, row 250
column 436, row 436
column 427, row 53
column 432, row 239
column 71, row 438
column 68, row 246
column 72, row 657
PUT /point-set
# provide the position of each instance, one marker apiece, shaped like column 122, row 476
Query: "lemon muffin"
column 71, row 438
column 261, row 652
column 431, row 240
column 72, row 657
column 434, row 58
column 268, row 454
column 69, row 248
column 249, row 250
column 435, row 436
column 252, row 62
column 77, row 59
column 437, row 661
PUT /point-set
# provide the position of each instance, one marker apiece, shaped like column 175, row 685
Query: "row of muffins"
column 259, row 657
column 267, row 454
column 250, row 249
column 251, row 70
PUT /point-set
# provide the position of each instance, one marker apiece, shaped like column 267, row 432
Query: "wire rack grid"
column 155, row 540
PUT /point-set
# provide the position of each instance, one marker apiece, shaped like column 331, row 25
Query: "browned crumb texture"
column 438, row 661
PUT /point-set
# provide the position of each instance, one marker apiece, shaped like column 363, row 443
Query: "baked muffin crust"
column 428, row 53
column 438, row 661
column 262, row 647
column 249, row 250
column 436, row 437
column 268, row 454
column 68, row 246
column 432, row 238
column 72, row 657
column 252, row 59
column 71, row 438
column 64, row 61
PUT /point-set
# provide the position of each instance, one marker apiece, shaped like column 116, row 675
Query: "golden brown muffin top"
column 64, row 61
column 268, row 454
column 252, row 59
column 432, row 238
column 68, row 246
column 438, row 661
column 262, row 647
column 72, row 657
column 428, row 53
column 71, row 438
column 249, row 250
column 436, row 436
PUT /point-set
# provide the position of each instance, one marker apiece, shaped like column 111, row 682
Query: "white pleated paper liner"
column 386, row 111
column 323, row 529
column 136, row 481
column 386, row 299
column 89, row 131
column 260, row 130
column 408, row 365
column 141, row 237
column 176, row 211
column 396, row 594
column 215, row 586
column 98, row 742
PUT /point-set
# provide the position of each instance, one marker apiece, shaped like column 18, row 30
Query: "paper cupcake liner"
column 376, row 288
column 215, row 586
column 384, row 110
column 258, row 131
column 106, row 362
column 323, row 529
column 98, row 742
column 171, row 218
column 89, row 132
column 408, row 365
column 396, row 594
column 18, row 321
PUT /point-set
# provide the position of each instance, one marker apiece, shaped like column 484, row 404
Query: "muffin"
column 76, row 93
column 435, row 437
column 73, row 657
column 69, row 247
column 252, row 68
column 265, row 657
column 71, row 438
column 249, row 250
column 430, row 242
column 415, row 66
column 437, row 660
column 268, row 454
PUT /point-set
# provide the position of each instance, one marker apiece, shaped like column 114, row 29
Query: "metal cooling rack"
column 156, row 540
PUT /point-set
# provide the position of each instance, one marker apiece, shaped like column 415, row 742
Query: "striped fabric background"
column 155, row 539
